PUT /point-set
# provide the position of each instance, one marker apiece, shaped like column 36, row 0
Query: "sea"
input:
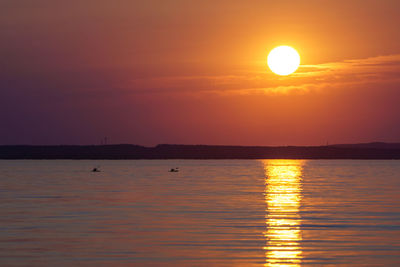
column 209, row 213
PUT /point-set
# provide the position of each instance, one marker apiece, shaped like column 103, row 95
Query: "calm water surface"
column 211, row 213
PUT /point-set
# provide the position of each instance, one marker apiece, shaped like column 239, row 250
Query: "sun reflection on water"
column 283, row 196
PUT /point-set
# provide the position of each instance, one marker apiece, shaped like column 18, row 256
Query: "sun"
column 283, row 60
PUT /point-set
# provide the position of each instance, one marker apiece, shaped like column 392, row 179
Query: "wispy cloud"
column 309, row 78
column 362, row 70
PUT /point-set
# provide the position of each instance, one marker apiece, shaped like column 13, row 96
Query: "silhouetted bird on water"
column 95, row 170
column 174, row 170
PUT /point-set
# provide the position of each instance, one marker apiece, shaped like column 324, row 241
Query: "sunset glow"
column 200, row 72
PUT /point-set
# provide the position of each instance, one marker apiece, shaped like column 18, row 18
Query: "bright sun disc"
column 283, row 60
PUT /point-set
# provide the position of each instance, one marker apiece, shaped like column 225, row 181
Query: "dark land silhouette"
column 126, row 151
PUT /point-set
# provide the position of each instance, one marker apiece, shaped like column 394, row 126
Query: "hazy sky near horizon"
column 195, row 72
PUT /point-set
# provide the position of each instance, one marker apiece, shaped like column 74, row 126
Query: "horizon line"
column 219, row 145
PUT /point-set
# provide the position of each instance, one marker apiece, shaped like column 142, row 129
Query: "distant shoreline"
column 126, row 151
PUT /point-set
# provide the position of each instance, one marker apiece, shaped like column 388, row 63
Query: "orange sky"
column 194, row 72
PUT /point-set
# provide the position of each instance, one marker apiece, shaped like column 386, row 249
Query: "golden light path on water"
column 282, row 197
